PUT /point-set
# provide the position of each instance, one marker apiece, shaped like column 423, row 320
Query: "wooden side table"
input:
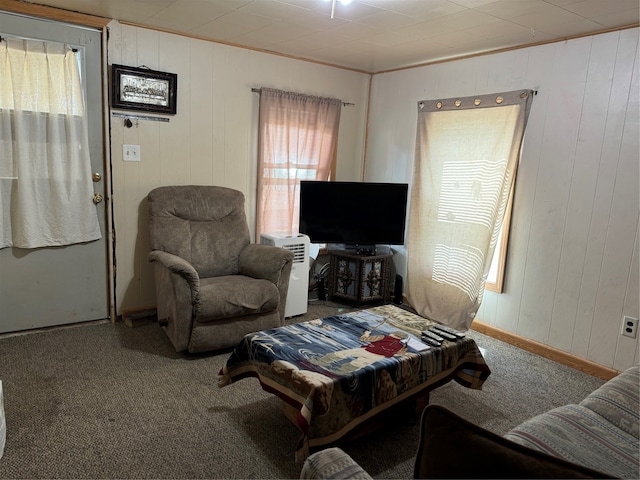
column 359, row 278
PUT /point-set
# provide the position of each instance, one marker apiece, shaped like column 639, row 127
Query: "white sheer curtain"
column 298, row 139
column 45, row 173
column 467, row 152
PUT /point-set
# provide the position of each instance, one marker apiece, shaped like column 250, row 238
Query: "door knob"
column 97, row 198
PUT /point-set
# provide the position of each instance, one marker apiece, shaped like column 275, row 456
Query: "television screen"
column 353, row 213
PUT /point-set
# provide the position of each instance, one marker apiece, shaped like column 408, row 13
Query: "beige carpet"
column 109, row 401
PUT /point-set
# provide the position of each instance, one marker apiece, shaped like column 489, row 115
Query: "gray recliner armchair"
column 213, row 286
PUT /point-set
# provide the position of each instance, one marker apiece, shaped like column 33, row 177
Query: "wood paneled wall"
column 213, row 138
column 572, row 265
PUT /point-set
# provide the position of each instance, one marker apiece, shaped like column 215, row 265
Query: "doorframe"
column 98, row 23
column 109, row 224
column 51, row 13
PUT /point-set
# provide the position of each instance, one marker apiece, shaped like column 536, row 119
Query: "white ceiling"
column 370, row 35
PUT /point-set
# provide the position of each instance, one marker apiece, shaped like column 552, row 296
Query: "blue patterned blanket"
column 339, row 371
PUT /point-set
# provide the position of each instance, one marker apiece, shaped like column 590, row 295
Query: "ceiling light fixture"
column 333, row 5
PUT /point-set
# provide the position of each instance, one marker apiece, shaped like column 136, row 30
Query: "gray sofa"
column 598, row 438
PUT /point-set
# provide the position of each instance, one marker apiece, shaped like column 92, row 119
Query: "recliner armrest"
column 264, row 261
column 177, row 265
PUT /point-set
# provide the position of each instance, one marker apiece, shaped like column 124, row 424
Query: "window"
column 495, row 277
column 45, row 171
column 298, row 137
column 467, row 152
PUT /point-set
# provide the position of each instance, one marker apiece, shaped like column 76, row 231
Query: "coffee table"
column 336, row 373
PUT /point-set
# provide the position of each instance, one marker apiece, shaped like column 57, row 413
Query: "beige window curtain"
column 467, row 152
column 45, row 173
column 298, row 138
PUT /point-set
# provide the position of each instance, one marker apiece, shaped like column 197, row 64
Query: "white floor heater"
column 297, row 296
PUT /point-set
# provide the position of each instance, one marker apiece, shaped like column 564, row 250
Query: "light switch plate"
column 131, row 153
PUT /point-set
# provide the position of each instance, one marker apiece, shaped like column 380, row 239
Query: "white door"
column 55, row 286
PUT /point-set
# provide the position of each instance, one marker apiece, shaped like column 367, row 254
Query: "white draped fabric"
column 298, row 139
column 45, row 172
column 467, row 152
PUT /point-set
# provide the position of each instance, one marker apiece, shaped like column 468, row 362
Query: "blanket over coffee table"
column 339, row 371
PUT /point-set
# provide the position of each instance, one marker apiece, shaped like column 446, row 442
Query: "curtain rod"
column 344, row 104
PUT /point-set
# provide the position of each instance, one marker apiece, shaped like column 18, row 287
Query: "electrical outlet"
column 629, row 327
column 131, row 153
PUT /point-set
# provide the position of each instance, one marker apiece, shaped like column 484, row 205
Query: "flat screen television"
column 359, row 215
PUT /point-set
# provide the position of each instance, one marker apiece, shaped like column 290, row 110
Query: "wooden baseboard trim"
column 586, row 366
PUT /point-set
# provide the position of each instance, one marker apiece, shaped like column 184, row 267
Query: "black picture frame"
column 142, row 89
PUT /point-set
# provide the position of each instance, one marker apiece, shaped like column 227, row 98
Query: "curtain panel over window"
column 467, row 152
column 298, row 139
column 45, row 174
